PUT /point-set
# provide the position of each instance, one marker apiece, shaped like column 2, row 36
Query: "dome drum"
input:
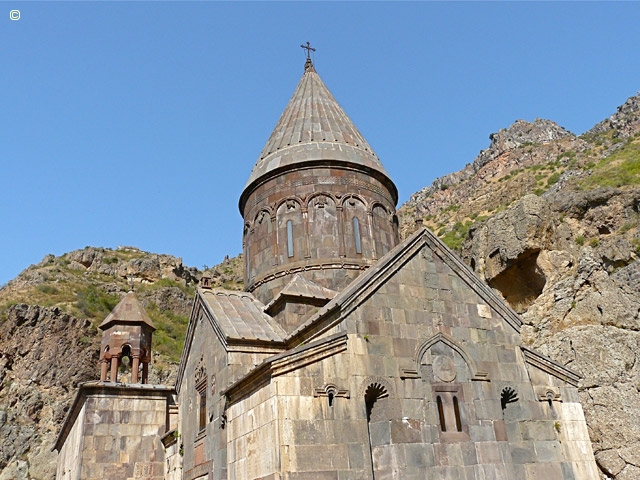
column 322, row 218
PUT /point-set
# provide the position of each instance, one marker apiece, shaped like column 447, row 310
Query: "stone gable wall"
column 423, row 349
column 205, row 451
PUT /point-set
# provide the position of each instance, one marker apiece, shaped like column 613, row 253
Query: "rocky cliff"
column 550, row 220
column 49, row 342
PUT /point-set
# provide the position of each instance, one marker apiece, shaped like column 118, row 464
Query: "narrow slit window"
column 289, row 238
column 443, row 426
column 456, row 410
column 356, row 233
column 202, row 410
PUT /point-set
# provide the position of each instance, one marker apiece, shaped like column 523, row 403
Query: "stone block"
column 538, row 430
column 543, row 471
column 571, row 411
column 500, row 431
column 569, row 395
column 488, row 453
column 407, row 430
column 523, row 452
column 568, row 471
column 380, row 433
column 548, row 451
column 357, row 455
column 517, row 412
column 454, row 453
column 417, row 455
column 440, row 455
column 319, row 475
column 468, row 453
column 482, row 433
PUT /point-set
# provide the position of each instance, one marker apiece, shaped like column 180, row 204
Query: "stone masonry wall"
column 321, row 204
column 118, row 434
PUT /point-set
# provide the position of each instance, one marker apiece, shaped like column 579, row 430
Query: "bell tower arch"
column 126, row 341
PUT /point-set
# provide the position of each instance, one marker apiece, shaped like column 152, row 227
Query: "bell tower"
column 126, row 341
column 318, row 201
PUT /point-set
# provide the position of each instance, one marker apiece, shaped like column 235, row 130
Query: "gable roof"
column 300, row 287
column 241, row 316
column 364, row 286
column 237, row 319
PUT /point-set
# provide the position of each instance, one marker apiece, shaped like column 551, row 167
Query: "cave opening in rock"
column 521, row 282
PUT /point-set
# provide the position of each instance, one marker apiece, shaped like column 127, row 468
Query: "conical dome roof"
column 314, row 128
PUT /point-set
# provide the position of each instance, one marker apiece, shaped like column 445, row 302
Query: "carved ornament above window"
column 200, row 372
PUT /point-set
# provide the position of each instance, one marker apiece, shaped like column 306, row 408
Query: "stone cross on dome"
column 309, row 49
column 308, row 65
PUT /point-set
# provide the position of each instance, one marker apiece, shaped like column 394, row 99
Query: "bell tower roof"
column 129, row 311
column 314, row 129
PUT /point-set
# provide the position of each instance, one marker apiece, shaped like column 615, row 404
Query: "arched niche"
column 261, row 245
column 383, row 233
column 323, row 226
column 357, row 238
column 290, row 231
column 441, row 359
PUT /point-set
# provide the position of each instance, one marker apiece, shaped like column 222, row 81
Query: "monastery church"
column 350, row 355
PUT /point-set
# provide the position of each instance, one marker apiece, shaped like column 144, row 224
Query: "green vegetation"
column 594, row 242
column 47, row 289
column 168, row 339
column 553, row 179
column 580, row 240
column 451, row 208
column 626, row 227
column 622, row 168
column 569, row 154
column 597, row 139
column 94, row 303
column 454, row 238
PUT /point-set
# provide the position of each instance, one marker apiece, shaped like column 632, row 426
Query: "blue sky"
column 138, row 123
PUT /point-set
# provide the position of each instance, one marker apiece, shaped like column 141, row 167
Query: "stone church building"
column 350, row 354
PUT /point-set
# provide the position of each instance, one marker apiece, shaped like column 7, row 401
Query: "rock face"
column 538, row 217
column 581, row 303
column 44, row 354
column 519, row 137
column 626, row 121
